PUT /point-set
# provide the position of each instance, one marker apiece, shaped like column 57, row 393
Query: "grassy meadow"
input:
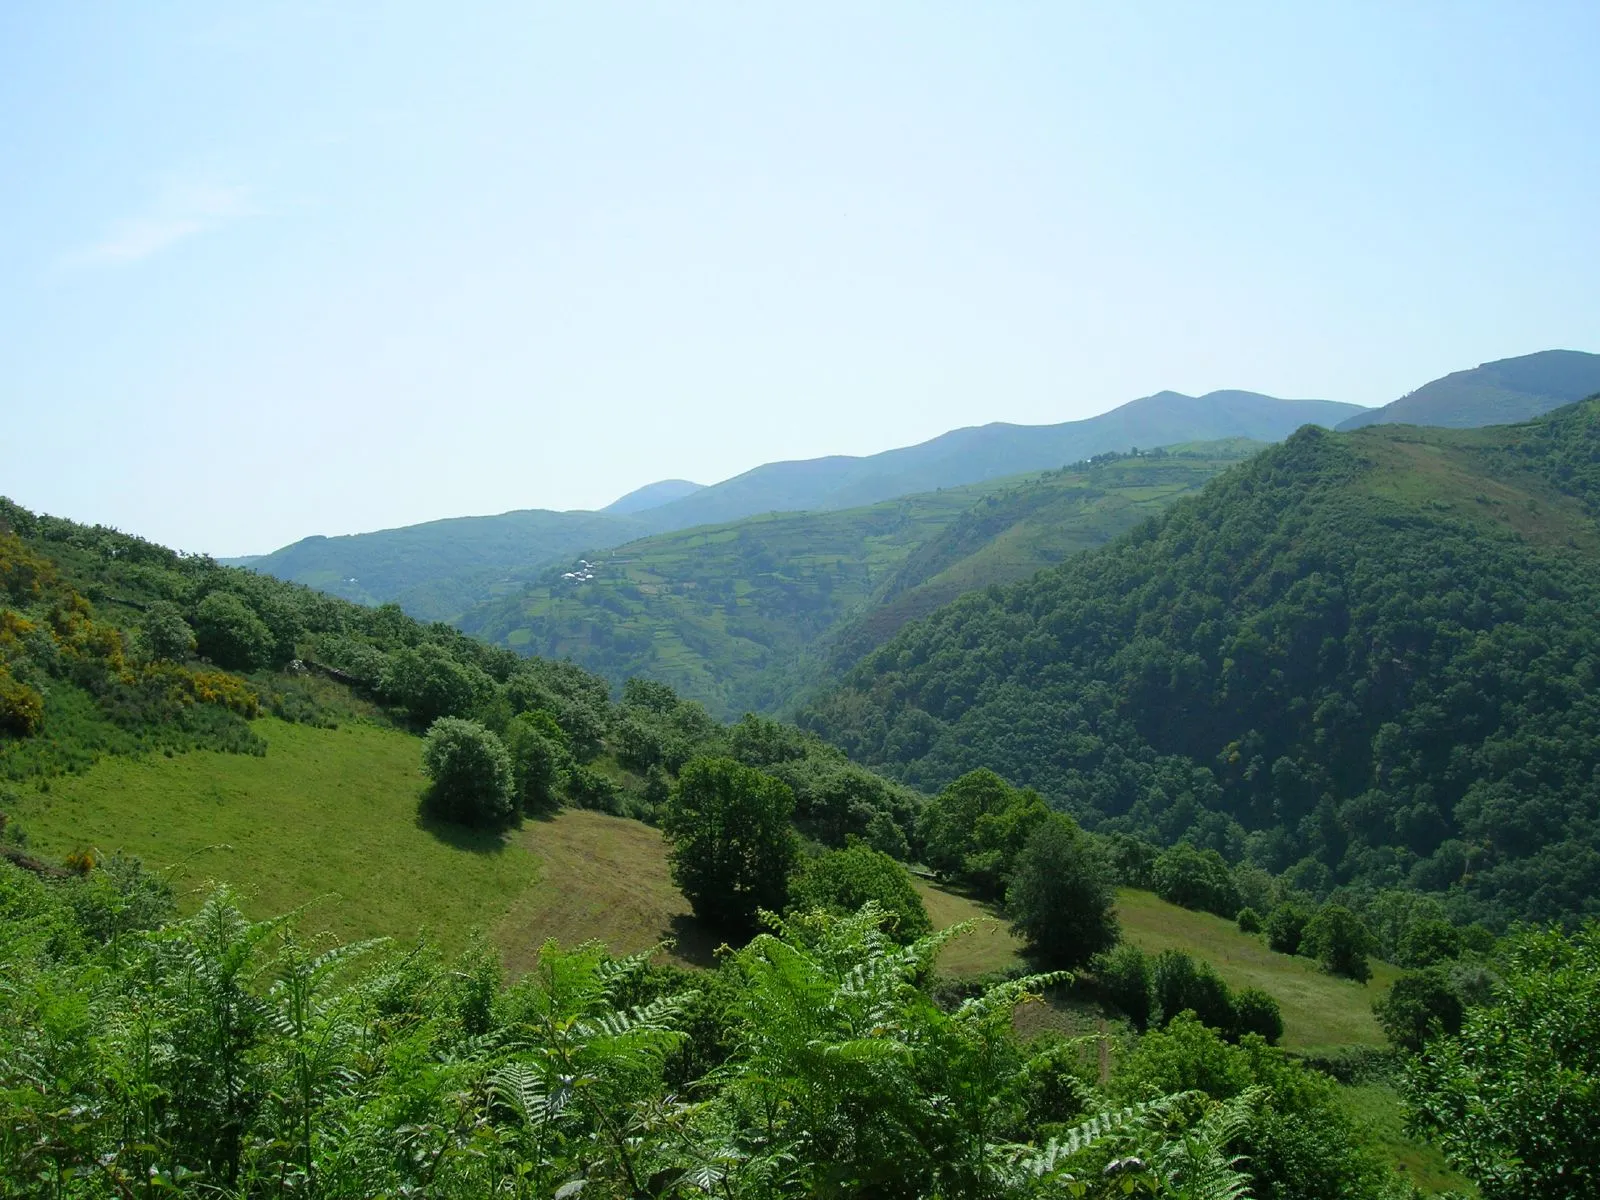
column 327, row 820
column 1320, row 1012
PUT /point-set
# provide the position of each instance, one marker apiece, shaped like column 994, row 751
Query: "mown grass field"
column 327, row 819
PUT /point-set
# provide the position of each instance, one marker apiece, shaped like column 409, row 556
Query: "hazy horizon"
column 332, row 270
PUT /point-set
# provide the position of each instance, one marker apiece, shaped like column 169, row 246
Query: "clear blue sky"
column 334, row 267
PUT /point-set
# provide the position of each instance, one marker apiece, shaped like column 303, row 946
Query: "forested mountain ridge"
column 1369, row 657
column 1495, row 393
column 743, row 616
column 994, row 451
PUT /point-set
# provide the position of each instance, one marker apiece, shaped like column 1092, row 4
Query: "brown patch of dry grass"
column 604, row 878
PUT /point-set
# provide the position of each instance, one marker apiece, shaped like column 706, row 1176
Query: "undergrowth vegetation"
column 215, row 1055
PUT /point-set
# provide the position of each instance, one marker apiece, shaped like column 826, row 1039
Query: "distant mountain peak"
column 1502, row 392
column 653, row 495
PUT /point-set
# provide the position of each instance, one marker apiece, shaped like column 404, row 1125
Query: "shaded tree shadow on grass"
column 697, row 941
column 493, row 840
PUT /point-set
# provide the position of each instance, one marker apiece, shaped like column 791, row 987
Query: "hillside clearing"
column 1319, row 1010
column 601, row 877
column 328, row 820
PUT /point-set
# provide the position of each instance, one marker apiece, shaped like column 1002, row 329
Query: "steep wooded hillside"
column 1373, row 655
column 1496, row 393
column 743, row 616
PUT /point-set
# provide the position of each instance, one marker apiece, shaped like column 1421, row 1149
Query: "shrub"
column 841, row 881
column 361, row 662
column 1180, row 984
column 976, row 828
column 1255, row 1011
column 1427, row 943
column 1125, row 982
column 164, row 636
column 1197, row 879
column 471, row 772
column 21, row 707
column 1257, row 888
column 1051, row 1089
column 1060, row 899
column 1420, row 1005
column 535, row 764
column 221, row 689
column 587, row 788
column 1286, row 926
column 428, row 683
column 1299, row 1143
column 1132, row 860
column 1337, row 939
column 1511, row 1100
column 1249, row 921
column 229, row 633
column 119, row 896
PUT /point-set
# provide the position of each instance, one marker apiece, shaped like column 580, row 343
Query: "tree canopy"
column 1514, row 1097
column 842, row 881
column 731, row 843
column 1060, row 898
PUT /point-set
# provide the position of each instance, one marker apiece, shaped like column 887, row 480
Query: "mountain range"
column 994, row 451
column 438, row 569
column 444, row 570
column 652, row 495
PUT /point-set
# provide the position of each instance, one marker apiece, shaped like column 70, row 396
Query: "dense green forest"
column 1364, row 659
column 743, row 617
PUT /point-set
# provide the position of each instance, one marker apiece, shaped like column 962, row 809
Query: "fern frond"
column 1007, row 995
column 1031, row 1163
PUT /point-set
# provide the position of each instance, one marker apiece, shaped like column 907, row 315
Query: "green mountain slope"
column 994, row 451
column 1372, row 654
column 742, row 616
column 1496, row 393
column 436, row 569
